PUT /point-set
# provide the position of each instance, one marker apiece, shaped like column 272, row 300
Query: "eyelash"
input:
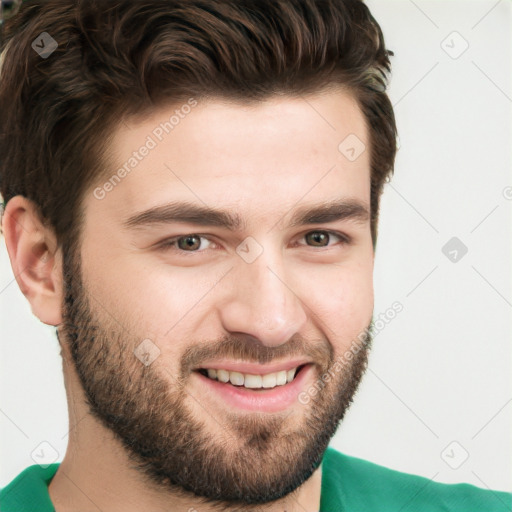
column 169, row 244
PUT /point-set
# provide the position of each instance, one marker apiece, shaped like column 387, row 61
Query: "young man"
column 191, row 197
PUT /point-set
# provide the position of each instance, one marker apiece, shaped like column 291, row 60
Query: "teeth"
column 268, row 381
column 290, row 374
column 252, row 381
column 281, row 378
column 223, row 375
column 236, row 378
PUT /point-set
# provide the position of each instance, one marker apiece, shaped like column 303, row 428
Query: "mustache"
column 250, row 349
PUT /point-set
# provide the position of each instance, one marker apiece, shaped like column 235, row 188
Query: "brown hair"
column 122, row 57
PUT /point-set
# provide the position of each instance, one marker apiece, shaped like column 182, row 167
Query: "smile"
column 263, row 392
column 250, row 381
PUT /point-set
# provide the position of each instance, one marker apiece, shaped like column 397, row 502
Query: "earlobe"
column 35, row 258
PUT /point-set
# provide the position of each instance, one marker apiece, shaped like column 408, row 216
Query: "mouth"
column 252, row 381
column 269, row 392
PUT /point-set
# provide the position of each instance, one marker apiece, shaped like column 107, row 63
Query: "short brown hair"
column 122, row 57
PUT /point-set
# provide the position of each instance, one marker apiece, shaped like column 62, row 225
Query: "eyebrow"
column 184, row 212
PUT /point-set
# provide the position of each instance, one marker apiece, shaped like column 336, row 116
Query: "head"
column 196, row 183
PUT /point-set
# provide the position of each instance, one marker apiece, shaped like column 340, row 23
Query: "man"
column 191, row 197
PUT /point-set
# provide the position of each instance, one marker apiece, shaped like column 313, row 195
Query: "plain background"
column 436, row 400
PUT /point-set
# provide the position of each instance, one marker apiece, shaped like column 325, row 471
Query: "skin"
column 261, row 161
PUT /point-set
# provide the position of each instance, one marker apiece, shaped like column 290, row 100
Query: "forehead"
column 261, row 158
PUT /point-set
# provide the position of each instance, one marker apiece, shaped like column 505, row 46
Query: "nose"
column 261, row 303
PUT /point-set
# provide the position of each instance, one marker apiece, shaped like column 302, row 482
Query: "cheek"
column 341, row 302
column 165, row 304
column 152, row 312
column 140, row 292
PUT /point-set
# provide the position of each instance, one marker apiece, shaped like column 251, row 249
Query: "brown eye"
column 318, row 238
column 189, row 242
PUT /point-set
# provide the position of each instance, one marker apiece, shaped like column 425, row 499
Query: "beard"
column 245, row 458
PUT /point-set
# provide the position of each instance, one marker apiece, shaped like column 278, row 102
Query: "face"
column 235, row 247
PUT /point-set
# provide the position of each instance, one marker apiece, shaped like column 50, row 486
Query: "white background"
column 440, row 372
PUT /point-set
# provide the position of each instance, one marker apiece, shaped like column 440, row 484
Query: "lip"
column 253, row 368
column 264, row 400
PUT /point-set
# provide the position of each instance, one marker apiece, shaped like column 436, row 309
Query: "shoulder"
column 353, row 484
column 29, row 490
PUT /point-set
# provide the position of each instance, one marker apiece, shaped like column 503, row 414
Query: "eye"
column 322, row 238
column 186, row 243
column 195, row 243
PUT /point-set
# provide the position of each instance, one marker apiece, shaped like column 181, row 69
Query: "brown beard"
column 252, row 459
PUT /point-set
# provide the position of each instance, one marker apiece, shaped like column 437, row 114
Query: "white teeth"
column 281, row 378
column 268, row 381
column 223, row 375
column 252, row 381
column 236, row 378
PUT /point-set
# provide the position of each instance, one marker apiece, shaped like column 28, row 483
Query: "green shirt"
column 348, row 485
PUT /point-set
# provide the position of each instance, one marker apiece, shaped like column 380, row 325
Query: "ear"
column 35, row 258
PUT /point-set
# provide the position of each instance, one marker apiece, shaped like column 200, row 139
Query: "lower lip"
column 265, row 400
